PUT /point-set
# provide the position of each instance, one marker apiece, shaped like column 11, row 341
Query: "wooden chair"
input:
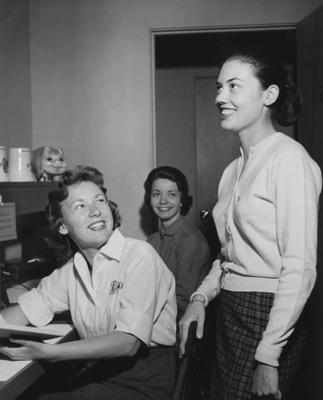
column 183, row 374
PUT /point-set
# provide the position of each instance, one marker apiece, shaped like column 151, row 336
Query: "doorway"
column 299, row 46
column 188, row 133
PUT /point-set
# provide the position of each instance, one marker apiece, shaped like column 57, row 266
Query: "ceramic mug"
column 3, row 164
column 19, row 165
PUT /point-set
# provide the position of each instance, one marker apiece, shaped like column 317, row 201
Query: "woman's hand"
column 195, row 312
column 28, row 350
column 265, row 382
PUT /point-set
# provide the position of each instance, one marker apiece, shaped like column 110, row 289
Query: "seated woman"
column 181, row 245
column 120, row 294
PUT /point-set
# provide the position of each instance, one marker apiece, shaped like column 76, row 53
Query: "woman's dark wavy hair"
column 174, row 175
column 286, row 109
column 63, row 245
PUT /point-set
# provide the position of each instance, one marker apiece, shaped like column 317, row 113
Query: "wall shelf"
column 30, row 197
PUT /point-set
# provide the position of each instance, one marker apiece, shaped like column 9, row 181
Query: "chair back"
column 183, row 373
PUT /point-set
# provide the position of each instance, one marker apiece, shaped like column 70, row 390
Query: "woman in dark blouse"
column 181, row 245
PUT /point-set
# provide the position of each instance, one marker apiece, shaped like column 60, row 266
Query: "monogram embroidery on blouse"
column 115, row 286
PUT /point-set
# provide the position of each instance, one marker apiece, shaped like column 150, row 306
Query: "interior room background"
column 79, row 74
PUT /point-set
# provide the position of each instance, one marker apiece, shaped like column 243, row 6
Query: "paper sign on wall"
column 7, row 221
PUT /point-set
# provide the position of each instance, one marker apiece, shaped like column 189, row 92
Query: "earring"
column 63, row 230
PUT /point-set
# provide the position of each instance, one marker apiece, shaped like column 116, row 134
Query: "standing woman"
column 266, row 218
column 181, row 245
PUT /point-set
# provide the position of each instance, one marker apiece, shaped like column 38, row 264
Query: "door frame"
column 207, row 29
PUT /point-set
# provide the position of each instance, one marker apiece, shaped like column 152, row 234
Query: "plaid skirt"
column 241, row 319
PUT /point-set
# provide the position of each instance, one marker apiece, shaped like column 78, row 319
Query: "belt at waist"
column 242, row 283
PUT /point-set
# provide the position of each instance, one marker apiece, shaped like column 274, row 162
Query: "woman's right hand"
column 195, row 312
column 28, row 350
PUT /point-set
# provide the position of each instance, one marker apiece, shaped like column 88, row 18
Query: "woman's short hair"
column 286, row 109
column 174, row 175
column 78, row 174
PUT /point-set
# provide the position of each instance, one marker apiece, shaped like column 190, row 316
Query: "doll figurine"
column 48, row 163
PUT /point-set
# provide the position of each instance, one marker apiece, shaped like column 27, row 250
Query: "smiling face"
column 165, row 200
column 240, row 97
column 86, row 216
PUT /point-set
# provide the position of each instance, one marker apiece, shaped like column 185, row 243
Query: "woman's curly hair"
column 62, row 245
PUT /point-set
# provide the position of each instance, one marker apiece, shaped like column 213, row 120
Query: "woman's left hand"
column 265, row 382
column 27, row 350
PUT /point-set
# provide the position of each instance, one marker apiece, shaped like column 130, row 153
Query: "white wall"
column 15, row 96
column 92, row 84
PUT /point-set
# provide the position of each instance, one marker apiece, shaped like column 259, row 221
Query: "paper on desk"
column 9, row 368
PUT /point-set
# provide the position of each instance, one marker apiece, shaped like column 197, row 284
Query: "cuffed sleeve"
column 210, row 287
column 39, row 305
column 140, row 308
column 36, row 310
column 136, row 323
